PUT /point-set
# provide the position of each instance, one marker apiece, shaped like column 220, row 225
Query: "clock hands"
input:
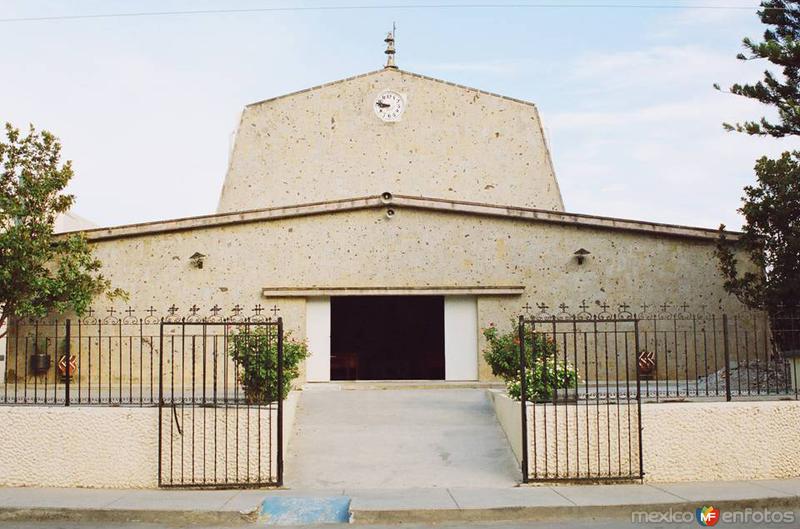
column 381, row 104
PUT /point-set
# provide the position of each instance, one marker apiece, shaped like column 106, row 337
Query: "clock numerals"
column 389, row 106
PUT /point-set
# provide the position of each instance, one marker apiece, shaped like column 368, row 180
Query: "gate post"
column 280, row 402
column 727, row 357
column 160, row 393
column 67, row 352
column 523, row 399
column 638, row 394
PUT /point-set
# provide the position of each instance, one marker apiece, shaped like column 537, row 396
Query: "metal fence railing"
column 112, row 361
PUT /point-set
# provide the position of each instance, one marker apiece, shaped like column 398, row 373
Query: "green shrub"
column 544, row 373
column 254, row 350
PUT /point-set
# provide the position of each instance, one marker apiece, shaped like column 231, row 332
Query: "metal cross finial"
column 527, row 308
column 390, row 51
column 604, row 306
column 151, row 311
column 665, row 307
column 685, row 307
column 583, row 305
column 172, row 310
column 194, row 310
column 623, row 307
column 90, row 311
column 215, row 309
column 130, row 311
column 542, row 307
column 563, row 306
column 258, row 309
column 237, row 309
column 275, row 310
column 111, row 311
column 645, row 306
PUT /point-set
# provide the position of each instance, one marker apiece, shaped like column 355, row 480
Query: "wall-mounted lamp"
column 197, row 259
column 580, row 255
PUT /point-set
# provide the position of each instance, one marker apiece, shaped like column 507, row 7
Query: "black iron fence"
column 587, row 375
column 112, row 360
column 220, row 399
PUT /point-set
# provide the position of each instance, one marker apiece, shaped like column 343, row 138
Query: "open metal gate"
column 580, row 399
column 220, row 409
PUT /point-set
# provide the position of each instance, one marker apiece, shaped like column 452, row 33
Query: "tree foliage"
column 39, row 272
column 781, row 47
column 771, row 207
column 771, row 237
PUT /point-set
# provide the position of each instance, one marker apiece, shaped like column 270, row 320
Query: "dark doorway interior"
column 387, row 338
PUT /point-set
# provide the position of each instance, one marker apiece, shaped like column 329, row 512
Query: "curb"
column 166, row 517
column 533, row 514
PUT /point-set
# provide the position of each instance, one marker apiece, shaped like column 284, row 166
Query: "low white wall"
column 706, row 441
column 78, row 446
column 509, row 417
column 687, row 441
column 104, row 447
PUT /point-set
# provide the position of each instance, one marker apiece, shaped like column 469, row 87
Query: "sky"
column 146, row 107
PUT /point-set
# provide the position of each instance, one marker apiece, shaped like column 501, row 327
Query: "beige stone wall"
column 414, row 248
column 452, row 142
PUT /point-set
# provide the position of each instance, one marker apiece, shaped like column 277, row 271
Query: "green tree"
column 781, row 47
column 771, row 207
column 39, row 272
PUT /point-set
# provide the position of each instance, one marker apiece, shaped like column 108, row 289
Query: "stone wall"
column 327, row 143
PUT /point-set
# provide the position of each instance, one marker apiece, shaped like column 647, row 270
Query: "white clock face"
column 389, row 105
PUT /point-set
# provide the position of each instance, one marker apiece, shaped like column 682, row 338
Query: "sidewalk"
column 388, row 506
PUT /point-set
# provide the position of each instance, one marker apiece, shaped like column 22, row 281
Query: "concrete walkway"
column 406, row 505
column 398, row 439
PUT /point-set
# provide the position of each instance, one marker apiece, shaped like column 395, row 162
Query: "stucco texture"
column 686, row 441
column 327, row 143
column 364, row 248
column 712, row 441
column 44, row 446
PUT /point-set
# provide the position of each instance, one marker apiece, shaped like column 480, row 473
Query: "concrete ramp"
column 351, row 439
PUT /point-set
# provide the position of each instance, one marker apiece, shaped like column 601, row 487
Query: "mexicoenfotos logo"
column 707, row 516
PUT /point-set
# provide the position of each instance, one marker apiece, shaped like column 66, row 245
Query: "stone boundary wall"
column 87, row 446
column 698, row 441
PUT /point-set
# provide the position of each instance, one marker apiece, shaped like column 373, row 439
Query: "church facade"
column 390, row 217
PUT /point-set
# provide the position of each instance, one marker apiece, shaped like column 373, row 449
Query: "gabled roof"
column 400, row 201
column 398, row 71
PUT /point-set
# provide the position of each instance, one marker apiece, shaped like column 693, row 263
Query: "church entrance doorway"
column 387, row 338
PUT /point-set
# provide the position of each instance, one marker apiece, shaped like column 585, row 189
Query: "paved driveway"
column 351, row 439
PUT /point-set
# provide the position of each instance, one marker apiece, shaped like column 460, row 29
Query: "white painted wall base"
column 460, row 338
column 318, row 331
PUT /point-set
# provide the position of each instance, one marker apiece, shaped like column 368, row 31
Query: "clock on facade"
column 389, row 105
